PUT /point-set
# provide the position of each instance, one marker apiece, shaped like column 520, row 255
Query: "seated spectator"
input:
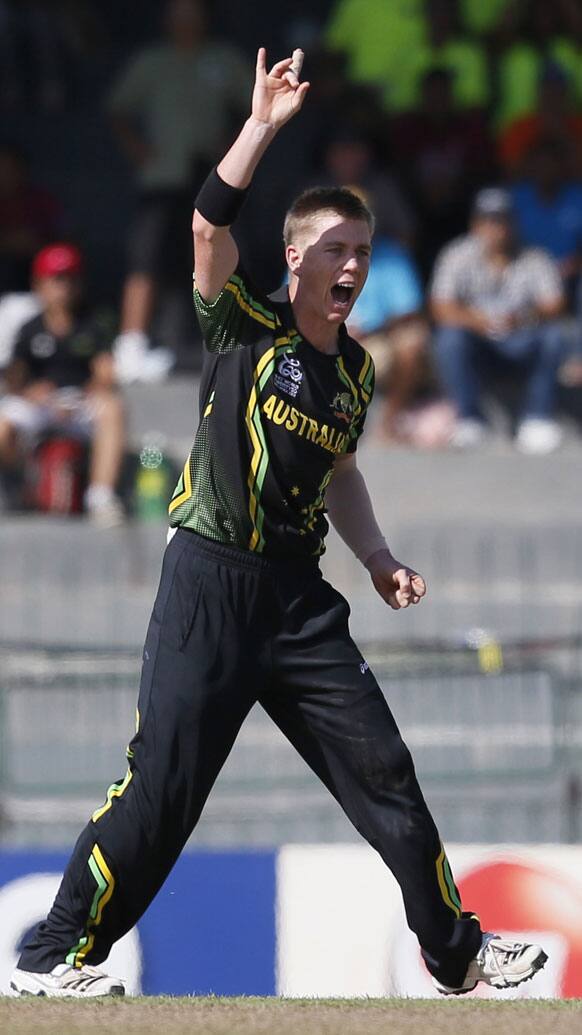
column 530, row 36
column 555, row 117
column 348, row 160
column 172, row 110
column 61, row 378
column 443, row 155
column 548, row 205
column 548, row 209
column 491, row 295
column 388, row 320
column 28, row 219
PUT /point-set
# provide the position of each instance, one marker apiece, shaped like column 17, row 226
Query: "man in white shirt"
column 491, row 295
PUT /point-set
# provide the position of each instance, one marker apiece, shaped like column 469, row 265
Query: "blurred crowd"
column 459, row 121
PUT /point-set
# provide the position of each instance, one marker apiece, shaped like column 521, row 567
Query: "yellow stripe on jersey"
column 351, row 386
column 362, row 376
column 185, row 495
column 263, row 368
column 208, row 409
column 257, row 445
column 247, row 308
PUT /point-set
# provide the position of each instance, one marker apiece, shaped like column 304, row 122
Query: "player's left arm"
column 352, row 515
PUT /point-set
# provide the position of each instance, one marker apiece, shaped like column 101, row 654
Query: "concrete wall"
column 498, row 537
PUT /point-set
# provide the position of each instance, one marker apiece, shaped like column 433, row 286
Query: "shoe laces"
column 83, row 977
column 499, row 954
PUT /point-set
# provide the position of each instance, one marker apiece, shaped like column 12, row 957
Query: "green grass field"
column 255, row 1016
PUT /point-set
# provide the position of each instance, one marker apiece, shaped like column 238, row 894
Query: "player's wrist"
column 263, row 128
column 375, row 551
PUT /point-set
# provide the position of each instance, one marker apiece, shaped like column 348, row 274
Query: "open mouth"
column 342, row 294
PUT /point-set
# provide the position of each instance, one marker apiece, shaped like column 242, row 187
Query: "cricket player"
column 242, row 612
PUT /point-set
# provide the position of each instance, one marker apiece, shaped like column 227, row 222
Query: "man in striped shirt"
column 491, row 296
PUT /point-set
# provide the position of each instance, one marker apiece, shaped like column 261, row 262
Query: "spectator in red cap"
column 57, row 259
column 61, row 378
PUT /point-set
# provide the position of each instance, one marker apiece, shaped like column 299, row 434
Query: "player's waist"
column 234, row 556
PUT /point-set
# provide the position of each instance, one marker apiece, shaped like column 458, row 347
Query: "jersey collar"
column 280, row 298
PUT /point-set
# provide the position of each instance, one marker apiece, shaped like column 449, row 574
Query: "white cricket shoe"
column 136, row 362
column 468, row 433
column 538, row 436
column 64, row 981
column 103, row 508
column 499, row 963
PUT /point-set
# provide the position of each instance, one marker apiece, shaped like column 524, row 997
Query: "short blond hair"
column 341, row 200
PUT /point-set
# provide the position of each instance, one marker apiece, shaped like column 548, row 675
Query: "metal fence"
column 495, row 730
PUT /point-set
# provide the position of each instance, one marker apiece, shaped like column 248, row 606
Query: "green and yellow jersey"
column 275, row 412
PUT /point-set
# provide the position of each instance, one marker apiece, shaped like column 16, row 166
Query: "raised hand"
column 278, row 94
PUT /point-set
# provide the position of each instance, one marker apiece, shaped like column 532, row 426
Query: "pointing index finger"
column 261, row 61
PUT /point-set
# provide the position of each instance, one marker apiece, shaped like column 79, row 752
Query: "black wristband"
column 218, row 202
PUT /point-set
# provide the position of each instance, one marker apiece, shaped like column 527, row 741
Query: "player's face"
column 330, row 259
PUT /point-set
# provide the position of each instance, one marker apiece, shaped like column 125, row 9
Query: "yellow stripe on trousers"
column 440, row 868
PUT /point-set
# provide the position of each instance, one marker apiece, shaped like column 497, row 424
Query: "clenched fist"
column 397, row 584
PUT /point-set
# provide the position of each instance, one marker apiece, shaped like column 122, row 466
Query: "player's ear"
column 294, row 259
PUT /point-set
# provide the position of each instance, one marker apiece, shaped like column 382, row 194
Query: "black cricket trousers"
column 230, row 628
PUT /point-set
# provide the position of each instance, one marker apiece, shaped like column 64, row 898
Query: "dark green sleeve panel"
column 236, row 318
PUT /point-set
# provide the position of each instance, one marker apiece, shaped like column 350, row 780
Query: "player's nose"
column 351, row 264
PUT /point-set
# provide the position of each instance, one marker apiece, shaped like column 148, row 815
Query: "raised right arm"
column 277, row 96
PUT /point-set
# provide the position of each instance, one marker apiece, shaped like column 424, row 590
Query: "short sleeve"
column 238, row 317
column 366, row 392
column 447, row 276
column 544, row 277
column 21, row 348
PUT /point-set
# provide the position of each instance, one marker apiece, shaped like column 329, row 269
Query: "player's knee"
column 387, row 769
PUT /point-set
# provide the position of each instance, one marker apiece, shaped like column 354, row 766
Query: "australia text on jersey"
column 283, row 414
